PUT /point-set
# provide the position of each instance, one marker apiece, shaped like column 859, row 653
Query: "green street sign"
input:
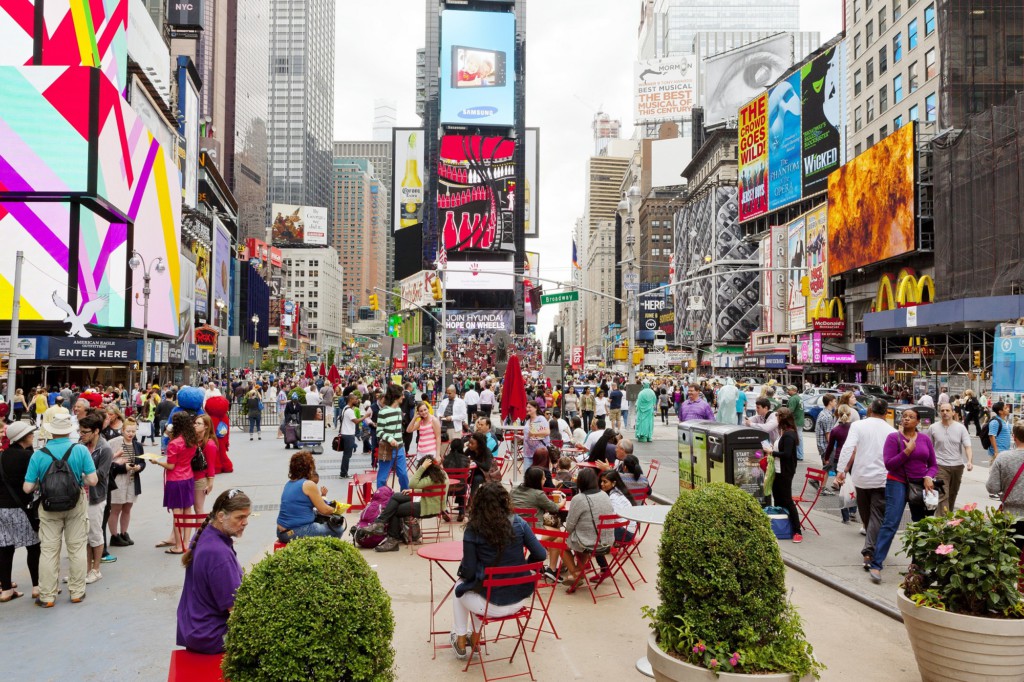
column 563, row 297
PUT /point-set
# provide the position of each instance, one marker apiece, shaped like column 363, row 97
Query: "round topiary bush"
column 722, row 585
column 312, row 612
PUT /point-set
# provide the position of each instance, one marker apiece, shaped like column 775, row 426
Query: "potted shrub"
column 724, row 609
column 312, row 612
column 960, row 599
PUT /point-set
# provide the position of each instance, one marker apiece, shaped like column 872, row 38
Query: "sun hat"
column 18, row 430
column 61, row 425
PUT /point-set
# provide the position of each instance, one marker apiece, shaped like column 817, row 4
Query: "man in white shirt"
column 312, row 396
column 943, row 397
column 486, row 401
column 472, row 399
column 452, row 412
column 765, row 419
column 926, row 400
column 862, row 458
column 952, row 454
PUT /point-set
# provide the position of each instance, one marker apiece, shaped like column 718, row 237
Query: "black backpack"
column 59, row 488
column 985, row 438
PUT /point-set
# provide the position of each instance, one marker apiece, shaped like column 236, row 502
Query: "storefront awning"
column 964, row 313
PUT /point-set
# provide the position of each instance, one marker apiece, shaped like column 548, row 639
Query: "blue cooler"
column 781, row 526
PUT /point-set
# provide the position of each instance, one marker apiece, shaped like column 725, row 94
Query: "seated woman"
column 401, row 506
column 588, row 506
column 301, row 500
column 578, row 434
column 479, row 454
column 604, row 449
column 633, row 475
column 494, row 536
column 530, row 495
column 212, row 575
column 456, row 459
column 613, row 485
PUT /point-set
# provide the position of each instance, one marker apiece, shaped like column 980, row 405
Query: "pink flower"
column 735, row 659
column 700, row 648
column 714, row 663
column 970, row 507
column 944, row 549
column 954, row 522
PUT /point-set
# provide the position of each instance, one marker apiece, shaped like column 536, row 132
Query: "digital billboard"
column 822, row 125
column 531, row 193
column 202, row 287
column 532, row 272
column 188, row 128
column 476, row 192
column 753, row 152
column 480, row 275
column 871, row 204
column 478, row 68
column 797, row 304
column 784, row 137
column 221, row 261
column 739, row 75
column 665, row 89
column 299, row 225
column 407, row 178
column 817, row 257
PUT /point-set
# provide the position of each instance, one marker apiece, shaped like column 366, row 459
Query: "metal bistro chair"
column 605, row 522
column 554, row 541
column 440, row 528
column 458, row 477
column 185, row 525
column 812, row 475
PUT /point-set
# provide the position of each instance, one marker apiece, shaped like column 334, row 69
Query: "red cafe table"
column 439, row 554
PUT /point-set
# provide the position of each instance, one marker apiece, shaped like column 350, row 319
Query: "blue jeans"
column 337, row 416
column 348, row 446
column 312, row 530
column 895, row 503
column 625, row 419
column 255, row 423
column 398, row 463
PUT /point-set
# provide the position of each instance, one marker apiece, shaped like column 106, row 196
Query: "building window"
column 856, row 82
column 977, row 53
column 897, row 10
column 856, row 10
column 857, row 119
column 913, row 114
column 897, row 47
column 856, row 46
column 913, row 77
column 871, row 109
column 897, row 89
column 883, row 99
column 871, row 141
column 912, row 34
column 929, row 19
column 655, row 252
column 931, row 69
column 883, row 63
column 883, row 16
column 856, row 150
column 1015, row 50
column 930, row 112
column 882, row 132
column 870, row 31
column 870, row 67
column 897, row 123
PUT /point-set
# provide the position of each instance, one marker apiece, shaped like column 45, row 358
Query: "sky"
column 580, row 56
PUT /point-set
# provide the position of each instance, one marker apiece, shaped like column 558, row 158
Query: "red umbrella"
column 333, row 374
column 309, row 371
column 513, row 391
column 323, row 370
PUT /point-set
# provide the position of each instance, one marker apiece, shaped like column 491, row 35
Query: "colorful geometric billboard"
column 299, row 225
column 871, row 205
column 478, row 68
column 823, row 129
column 476, row 192
column 753, row 164
column 784, row 143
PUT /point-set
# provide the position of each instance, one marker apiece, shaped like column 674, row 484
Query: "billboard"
column 532, row 272
column 468, row 321
column 817, row 258
column 478, row 68
column 739, row 75
column 299, row 225
column 665, row 89
column 822, row 119
column 182, row 13
column 407, row 178
column 188, row 128
column 871, row 205
column 753, row 163
column 784, row 136
column 202, row 287
column 779, row 244
column 532, row 179
column 221, row 261
column 476, row 192
column 480, row 275
column 796, row 303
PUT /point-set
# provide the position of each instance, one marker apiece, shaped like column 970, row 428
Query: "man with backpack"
column 60, row 471
column 998, row 430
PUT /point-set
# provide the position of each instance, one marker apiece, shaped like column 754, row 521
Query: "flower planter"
column 671, row 669
column 952, row 646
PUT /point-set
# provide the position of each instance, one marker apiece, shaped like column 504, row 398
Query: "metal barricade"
column 240, row 416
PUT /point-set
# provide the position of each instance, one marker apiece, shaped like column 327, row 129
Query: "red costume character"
column 218, row 408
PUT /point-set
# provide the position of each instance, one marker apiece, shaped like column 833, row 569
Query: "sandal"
column 171, row 551
column 165, row 543
column 14, row 595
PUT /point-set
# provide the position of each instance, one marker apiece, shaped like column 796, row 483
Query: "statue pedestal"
column 553, row 372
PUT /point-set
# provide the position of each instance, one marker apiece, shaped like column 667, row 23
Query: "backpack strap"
column 1016, row 476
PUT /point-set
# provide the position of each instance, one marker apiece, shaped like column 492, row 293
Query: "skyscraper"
column 676, row 22
column 301, row 102
column 379, row 154
column 359, row 206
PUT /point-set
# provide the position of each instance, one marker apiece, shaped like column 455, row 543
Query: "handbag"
column 848, row 493
column 915, row 492
column 769, row 474
column 145, row 430
column 385, row 451
column 199, row 462
column 1009, row 488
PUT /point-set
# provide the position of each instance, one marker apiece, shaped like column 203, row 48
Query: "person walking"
column 952, row 454
column 999, row 429
column 389, row 435
column 796, row 406
column 646, row 401
column 254, row 410
column 727, row 396
column 862, row 457
column 587, row 406
column 741, row 405
column 695, row 406
column 824, row 424
column 972, row 411
column 428, row 430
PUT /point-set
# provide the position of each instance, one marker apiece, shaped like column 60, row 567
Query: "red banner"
column 577, row 357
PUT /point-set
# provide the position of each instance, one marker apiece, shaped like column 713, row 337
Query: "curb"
column 827, row 579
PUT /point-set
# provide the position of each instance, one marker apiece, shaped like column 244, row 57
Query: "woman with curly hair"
column 494, row 536
column 301, row 499
column 179, row 483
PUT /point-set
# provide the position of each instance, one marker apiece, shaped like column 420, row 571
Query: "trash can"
column 895, row 416
column 734, row 456
column 693, row 463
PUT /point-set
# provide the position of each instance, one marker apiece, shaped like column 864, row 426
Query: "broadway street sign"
column 563, row 297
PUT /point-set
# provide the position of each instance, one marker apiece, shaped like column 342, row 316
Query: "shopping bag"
column 848, row 493
column 145, row 430
column 769, row 474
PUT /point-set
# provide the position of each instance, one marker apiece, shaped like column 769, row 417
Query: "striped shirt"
column 389, row 425
column 427, row 444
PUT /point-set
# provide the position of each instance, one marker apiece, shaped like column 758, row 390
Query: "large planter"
column 670, row 669
column 952, row 646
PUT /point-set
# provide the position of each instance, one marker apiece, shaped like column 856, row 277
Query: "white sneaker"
column 91, row 577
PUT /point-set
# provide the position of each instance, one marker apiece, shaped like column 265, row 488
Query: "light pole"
column 255, row 340
column 625, row 209
column 136, row 262
column 222, row 306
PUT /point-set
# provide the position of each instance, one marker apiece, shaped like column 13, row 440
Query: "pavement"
column 125, row 629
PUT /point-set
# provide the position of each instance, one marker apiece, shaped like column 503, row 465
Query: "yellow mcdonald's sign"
column 906, row 289
column 828, row 308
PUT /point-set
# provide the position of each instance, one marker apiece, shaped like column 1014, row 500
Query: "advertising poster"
column 765, row 254
column 784, row 136
column 476, row 192
column 188, row 13
column 753, row 151
column 665, row 89
column 221, row 261
column 468, row 321
column 529, row 282
column 188, row 128
column 407, row 178
column 478, row 68
column 298, row 225
column 821, row 124
column 739, row 75
column 480, row 275
column 577, row 357
column 186, row 320
column 532, row 189
column 817, row 258
column 797, row 304
column 202, row 288
column 313, row 425
column 862, row 232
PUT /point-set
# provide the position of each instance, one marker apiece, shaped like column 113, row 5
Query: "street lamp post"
column 625, row 209
column 136, row 262
column 255, row 340
column 222, row 306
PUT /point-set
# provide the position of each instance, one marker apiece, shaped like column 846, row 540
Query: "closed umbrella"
column 513, row 391
column 333, row 374
column 309, row 371
column 323, row 369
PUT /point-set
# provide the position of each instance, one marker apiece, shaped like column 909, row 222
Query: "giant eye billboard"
column 478, row 66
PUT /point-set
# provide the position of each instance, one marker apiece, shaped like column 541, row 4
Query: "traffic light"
column 374, row 305
column 805, row 286
column 435, row 288
column 638, row 356
column 977, row 358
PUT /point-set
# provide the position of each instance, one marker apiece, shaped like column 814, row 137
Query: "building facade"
column 378, row 153
column 357, row 233
column 315, row 281
column 669, row 26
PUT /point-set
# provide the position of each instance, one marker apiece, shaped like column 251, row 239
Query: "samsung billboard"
column 478, row 71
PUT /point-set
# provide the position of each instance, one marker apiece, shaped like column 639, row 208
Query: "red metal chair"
column 819, row 475
column 554, row 541
column 652, row 472
column 185, row 524
column 528, row 514
column 457, row 477
column 188, row 666
column 605, row 522
column 507, row 576
column 441, row 529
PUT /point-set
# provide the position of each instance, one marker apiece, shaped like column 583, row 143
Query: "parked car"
column 819, row 391
column 867, row 390
column 813, row 407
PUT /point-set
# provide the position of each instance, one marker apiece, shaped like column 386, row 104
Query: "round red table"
column 440, row 553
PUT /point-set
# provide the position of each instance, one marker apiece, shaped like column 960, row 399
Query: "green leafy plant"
column 722, row 585
column 964, row 562
column 299, row 392
column 312, row 612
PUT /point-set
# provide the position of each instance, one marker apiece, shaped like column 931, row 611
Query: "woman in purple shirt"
column 909, row 458
column 212, row 575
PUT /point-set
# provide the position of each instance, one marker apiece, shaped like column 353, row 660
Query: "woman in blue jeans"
column 301, row 500
column 254, row 408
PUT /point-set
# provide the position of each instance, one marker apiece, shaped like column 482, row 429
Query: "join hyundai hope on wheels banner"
column 753, row 150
